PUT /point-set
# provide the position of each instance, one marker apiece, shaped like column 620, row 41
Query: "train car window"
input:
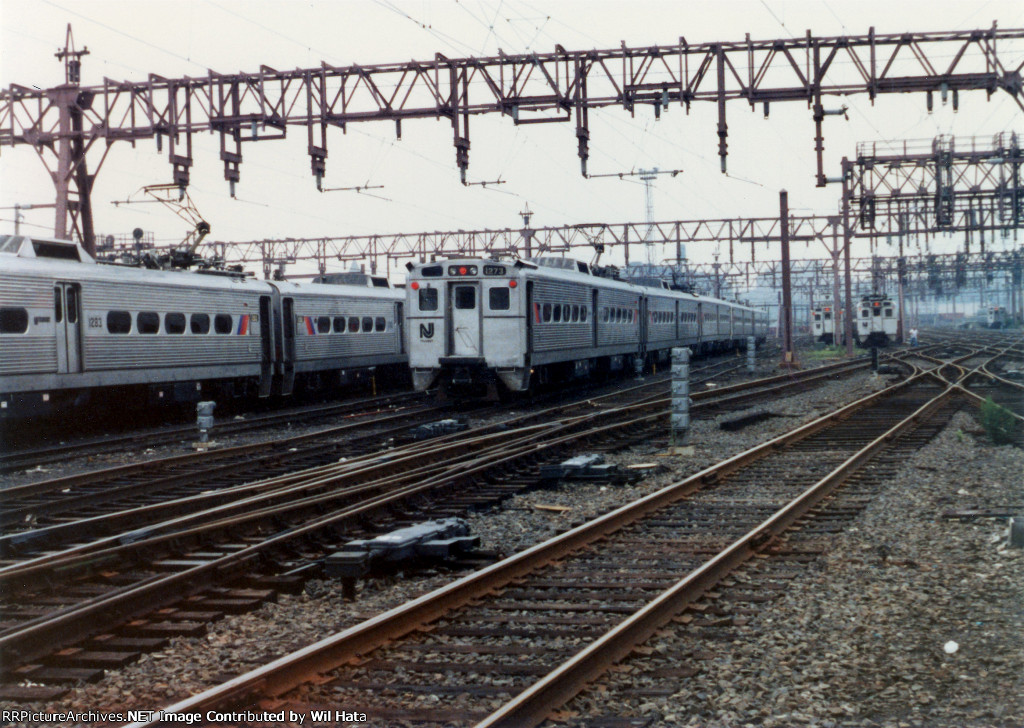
column 174, row 323
column 465, row 297
column 148, row 322
column 199, row 323
column 428, row 299
column 13, row 320
column 864, row 313
column 498, row 299
column 556, row 313
column 380, row 324
column 323, row 324
column 119, row 322
column 604, row 314
column 575, row 312
column 353, row 324
column 546, row 313
column 432, row 271
column 583, row 314
column 58, row 305
column 72, row 305
column 367, row 324
column 339, row 324
column 888, row 312
column 876, row 311
column 222, row 323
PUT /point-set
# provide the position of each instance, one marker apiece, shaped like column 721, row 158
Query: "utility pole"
column 527, row 232
column 788, row 358
column 71, row 149
column 847, row 239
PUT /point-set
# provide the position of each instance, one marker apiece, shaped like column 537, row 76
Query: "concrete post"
column 204, row 419
column 680, row 416
column 751, row 353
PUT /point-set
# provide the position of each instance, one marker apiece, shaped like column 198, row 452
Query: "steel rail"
column 286, row 673
column 32, row 638
column 79, row 621
column 532, row 706
column 60, row 484
column 20, row 459
column 320, row 477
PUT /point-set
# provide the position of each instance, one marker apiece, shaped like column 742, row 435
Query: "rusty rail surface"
column 533, row 705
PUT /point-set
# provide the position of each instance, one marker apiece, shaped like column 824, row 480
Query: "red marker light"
column 512, row 284
column 462, row 270
column 415, row 286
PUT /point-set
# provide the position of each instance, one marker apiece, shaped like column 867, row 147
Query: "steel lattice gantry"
column 945, row 184
column 561, row 86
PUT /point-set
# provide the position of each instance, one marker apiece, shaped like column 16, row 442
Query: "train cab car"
column 823, row 324
column 876, row 321
column 479, row 327
column 996, row 317
column 475, row 323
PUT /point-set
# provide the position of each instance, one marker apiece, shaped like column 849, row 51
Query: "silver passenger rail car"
column 478, row 327
column 72, row 330
column 877, row 321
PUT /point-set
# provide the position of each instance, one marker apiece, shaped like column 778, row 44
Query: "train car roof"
column 315, row 288
column 42, row 256
column 572, row 270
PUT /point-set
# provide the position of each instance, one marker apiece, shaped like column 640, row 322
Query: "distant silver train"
column 478, row 326
column 875, row 325
column 72, row 329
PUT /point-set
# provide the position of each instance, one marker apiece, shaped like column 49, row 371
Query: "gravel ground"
column 241, row 642
column 865, row 637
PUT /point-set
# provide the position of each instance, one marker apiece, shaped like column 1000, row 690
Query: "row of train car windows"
column 350, row 324
column 148, row 322
column 564, row 313
column 669, row 317
column 617, row 315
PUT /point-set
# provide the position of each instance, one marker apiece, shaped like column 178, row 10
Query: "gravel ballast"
column 242, row 642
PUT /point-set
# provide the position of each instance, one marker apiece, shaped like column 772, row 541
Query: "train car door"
column 700, row 324
column 267, row 344
column 400, row 326
column 67, row 318
column 288, row 340
column 464, row 318
column 532, row 318
column 643, row 308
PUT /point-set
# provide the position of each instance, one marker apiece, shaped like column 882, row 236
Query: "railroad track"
column 87, row 496
column 23, row 459
column 284, row 525
column 514, row 641
column 15, row 460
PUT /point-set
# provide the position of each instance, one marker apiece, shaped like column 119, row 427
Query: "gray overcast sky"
column 277, row 197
